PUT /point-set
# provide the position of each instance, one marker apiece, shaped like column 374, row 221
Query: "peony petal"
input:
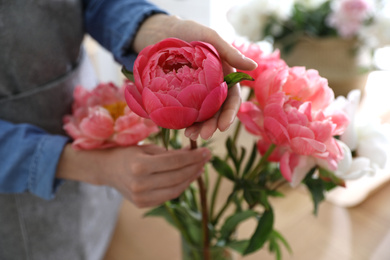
column 174, row 117
column 305, row 164
column 285, row 167
column 193, row 96
column 206, row 46
column 139, row 67
column 167, row 100
column 134, row 134
column 306, row 146
column 252, row 118
column 134, row 101
column 275, row 131
column 269, row 82
column 72, row 129
column 169, row 43
column 295, row 130
column 212, row 102
column 321, row 130
column 276, row 112
column 150, row 101
column 159, row 84
column 98, row 125
column 212, row 67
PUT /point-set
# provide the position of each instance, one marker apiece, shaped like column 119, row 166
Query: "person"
column 56, row 202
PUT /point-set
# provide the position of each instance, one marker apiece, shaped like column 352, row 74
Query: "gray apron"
column 40, row 64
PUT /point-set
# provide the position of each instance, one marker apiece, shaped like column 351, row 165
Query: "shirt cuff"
column 41, row 179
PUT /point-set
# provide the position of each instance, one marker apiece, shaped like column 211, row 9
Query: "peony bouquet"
column 290, row 112
column 286, row 21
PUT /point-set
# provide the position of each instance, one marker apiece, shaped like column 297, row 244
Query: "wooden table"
column 359, row 233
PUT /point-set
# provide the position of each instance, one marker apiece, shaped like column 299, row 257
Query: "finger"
column 152, row 149
column 172, row 160
column 165, row 180
column 209, row 127
column 193, row 131
column 230, row 108
column 157, row 197
column 230, row 54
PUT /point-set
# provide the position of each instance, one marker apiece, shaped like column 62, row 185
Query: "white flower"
column 377, row 34
column 249, row 19
column 373, row 143
column 350, row 168
column 367, row 139
column 349, row 16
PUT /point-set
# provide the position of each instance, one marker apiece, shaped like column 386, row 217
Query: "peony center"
column 116, row 109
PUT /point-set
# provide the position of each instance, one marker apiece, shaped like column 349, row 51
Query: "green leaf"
column 222, row 168
column 232, row 222
column 235, row 77
column 263, row 230
column 128, row 74
column 160, row 211
column 329, row 176
column 251, row 160
column 275, row 193
column 241, row 159
column 274, row 247
column 238, row 245
column 165, row 135
column 232, row 151
column 316, row 188
column 279, row 236
column 274, row 244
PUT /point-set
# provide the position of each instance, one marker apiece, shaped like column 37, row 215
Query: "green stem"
column 205, row 221
column 263, row 161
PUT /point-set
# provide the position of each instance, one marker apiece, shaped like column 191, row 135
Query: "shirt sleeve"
column 28, row 159
column 114, row 25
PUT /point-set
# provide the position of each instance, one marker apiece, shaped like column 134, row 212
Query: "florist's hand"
column 160, row 26
column 146, row 175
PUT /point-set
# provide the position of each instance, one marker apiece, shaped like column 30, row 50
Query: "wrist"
column 81, row 165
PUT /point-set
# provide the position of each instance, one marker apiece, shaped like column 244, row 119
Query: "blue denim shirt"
column 28, row 154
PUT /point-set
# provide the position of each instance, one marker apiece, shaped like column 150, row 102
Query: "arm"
column 114, row 25
column 34, row 161
column 28, row 159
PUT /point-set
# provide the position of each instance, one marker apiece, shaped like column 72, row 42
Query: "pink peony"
column 297, row 82
column 101, row 119
column 288, row 112
column 349, row 16
column 263, row 60
column 177, row 83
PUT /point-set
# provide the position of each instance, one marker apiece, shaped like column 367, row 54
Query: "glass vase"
column 195, row 252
